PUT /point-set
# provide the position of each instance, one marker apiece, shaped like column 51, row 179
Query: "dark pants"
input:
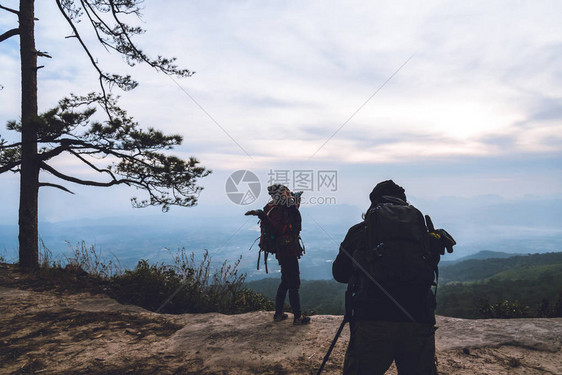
column 375, row 344
column 290, row 281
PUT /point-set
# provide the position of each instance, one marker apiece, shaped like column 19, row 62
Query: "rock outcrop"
column 56, row 333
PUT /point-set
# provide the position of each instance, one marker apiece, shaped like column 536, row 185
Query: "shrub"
column 147, row 285
column 188, row 287
column 46, row 260
column 504, row 310
column 86, row 258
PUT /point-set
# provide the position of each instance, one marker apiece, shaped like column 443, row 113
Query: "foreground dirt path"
column 67, row 333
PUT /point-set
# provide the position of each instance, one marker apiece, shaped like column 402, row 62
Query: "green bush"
column 504, row 310
column 147, row 285
column 188, row 287
column 88, row 259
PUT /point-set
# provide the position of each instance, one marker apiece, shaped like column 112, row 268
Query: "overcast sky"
column 447, row 98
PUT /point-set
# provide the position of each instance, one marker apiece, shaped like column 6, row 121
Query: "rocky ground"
column 46, row 330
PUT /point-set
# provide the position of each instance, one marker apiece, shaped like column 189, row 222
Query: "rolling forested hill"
column 479, row 269
column 518, row 286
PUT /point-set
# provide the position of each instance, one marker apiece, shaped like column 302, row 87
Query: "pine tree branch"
column 10, row 167
column 124, row 33
column 10, row 10
column 92, row 60
column 87, row 6
column 2, row 146
column 92, row 165
column 79, row 181
column 55, row 186
column 74, row 144
column 54, row 152
column 159, row 64
column 9, row 34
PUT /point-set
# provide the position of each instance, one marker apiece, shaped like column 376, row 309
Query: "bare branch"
column 55, row 186
column 93, row 166
column 9, row 10
column 43, row 54
column 75, row 180
column 9, row 34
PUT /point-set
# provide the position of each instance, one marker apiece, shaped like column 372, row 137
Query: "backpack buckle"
column 379, row 250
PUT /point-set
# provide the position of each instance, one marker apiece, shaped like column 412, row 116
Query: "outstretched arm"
column 254, row 213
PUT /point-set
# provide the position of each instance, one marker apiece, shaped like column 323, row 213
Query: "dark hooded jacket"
column 418, row 301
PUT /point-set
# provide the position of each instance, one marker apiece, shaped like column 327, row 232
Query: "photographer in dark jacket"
column 396, row 322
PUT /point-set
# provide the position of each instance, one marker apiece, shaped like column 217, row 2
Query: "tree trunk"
column 29, row 175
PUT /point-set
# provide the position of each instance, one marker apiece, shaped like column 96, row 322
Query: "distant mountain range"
column 491, row 223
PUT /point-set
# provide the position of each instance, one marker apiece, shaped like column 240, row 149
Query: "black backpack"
column 397, row 253
column 267, row 235
column 267, row 240
column 270, row 242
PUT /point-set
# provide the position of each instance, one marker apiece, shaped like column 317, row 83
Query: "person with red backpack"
column 389, row 262
column 280, row 221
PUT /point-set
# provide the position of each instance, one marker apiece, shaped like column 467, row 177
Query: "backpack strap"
column 302, row 244
column 265, row 254
column 253, row 243
column 269, row 211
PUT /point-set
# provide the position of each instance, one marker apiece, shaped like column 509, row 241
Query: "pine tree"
column 72, row 129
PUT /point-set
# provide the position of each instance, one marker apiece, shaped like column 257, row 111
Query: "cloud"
column 547, row 108
column 280, row 78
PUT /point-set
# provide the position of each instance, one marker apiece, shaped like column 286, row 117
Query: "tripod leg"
column 338, row 333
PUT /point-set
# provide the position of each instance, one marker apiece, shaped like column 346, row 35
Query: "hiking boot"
column 303, row 319
column 279, row 317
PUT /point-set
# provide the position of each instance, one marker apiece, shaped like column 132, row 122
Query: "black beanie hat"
column 387, row 187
